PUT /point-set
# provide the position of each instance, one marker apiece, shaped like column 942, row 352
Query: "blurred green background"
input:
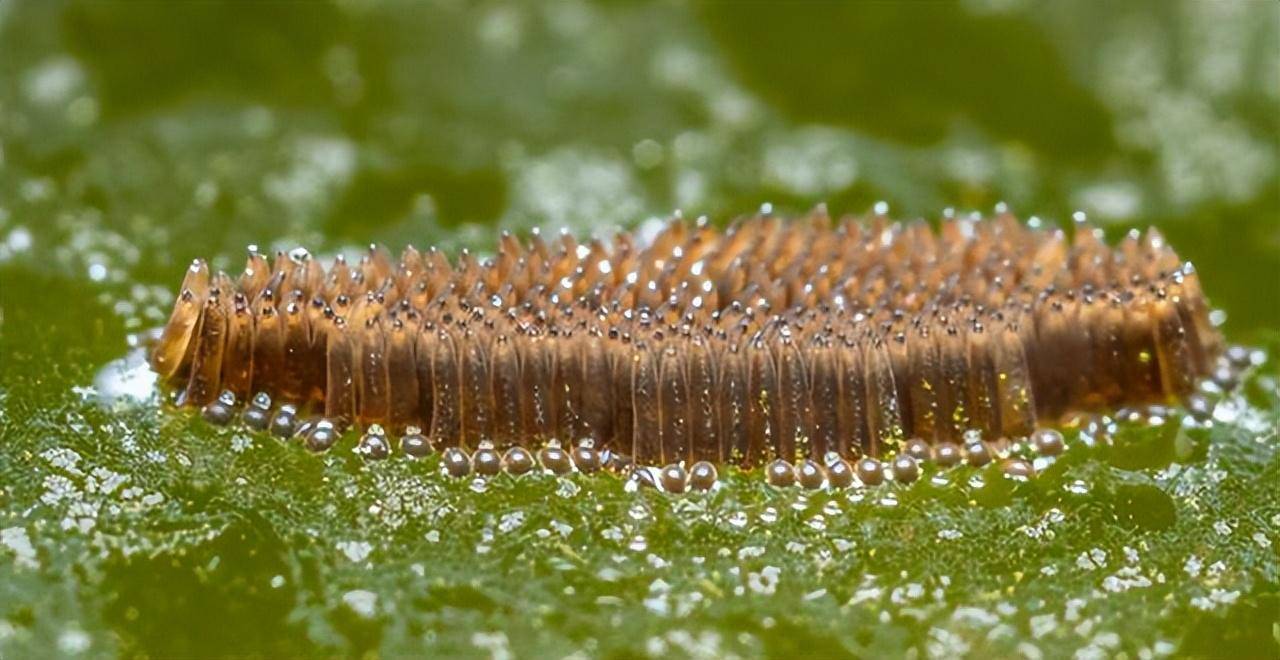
column 137, row 136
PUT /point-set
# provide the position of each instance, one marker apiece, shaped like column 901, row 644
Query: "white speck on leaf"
column 17, row 541
column 362, row 602
column 355, row 550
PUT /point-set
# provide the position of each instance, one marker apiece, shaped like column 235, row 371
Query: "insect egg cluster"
column 827, row 352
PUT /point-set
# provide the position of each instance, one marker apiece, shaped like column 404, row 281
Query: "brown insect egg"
column 285, row 421
column 414, row 444
column 780, row 473
column 1018, row 468
column 456, row 462
column 486, row 461
column 518, row 461
column 257, row 415
column 373, row 444
column 978, row 453
column 769, row 338
column 948, row 454
column 586, row 458
column 811, row 475
column 321, row 436
column 905, row 468
column 222, row 410
column 839, row 472
column 917, row 449
column 1048, row 442
column 703, row 475
column 674, row 479
column 870, row 472
column 555, row 459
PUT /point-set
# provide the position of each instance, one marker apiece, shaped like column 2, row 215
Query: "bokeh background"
column 137, row 136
